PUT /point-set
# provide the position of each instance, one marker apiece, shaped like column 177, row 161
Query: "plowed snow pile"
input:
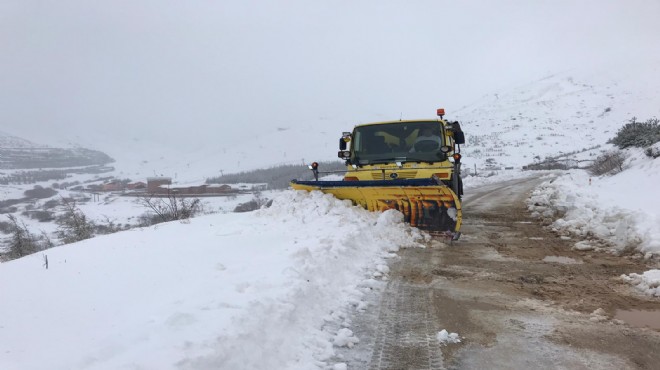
column 622, row 210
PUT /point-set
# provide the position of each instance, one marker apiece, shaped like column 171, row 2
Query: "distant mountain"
column 18, row 153
column 9, row 141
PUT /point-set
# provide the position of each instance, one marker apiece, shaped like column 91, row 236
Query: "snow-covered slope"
column 261, row 290
column 9, row 141
column 621, row 210
column 562, row 113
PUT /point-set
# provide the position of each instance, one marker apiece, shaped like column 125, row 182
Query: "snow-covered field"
column 267, row 289
column 270, row 289
column 104, row 208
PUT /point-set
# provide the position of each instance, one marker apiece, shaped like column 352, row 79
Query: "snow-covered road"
column 516, row 294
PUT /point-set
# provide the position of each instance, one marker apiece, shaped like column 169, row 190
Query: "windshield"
column 402, row 142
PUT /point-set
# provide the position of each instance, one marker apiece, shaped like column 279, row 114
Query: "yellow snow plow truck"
column 413, row 166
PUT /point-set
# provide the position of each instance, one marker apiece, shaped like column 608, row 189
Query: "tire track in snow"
column 405, row 334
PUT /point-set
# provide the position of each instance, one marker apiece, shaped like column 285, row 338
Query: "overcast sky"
column 226, row 66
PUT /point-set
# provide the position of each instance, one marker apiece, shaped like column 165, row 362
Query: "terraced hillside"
column 31, row 158
column 24, row 162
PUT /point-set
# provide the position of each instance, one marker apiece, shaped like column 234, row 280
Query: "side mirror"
column 459, row 137
column 342, row 144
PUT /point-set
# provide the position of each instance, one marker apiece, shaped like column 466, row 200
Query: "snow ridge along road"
column 517, row 294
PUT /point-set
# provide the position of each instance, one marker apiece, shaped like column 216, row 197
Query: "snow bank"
column 262, row 290
column 648, row 282
column 621, row 210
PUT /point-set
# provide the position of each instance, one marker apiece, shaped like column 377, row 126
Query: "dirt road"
column 516, row 293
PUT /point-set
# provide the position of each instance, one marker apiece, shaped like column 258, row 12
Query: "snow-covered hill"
column 9, row 141
column 563, row 113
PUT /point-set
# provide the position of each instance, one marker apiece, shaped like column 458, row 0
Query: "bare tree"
column 170, row 207
column 22, row 242
column 608, row 163
column 45, row 241
column 107, row 226
column 73, row 224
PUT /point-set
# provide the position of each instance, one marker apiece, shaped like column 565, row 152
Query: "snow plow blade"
column 425, row 203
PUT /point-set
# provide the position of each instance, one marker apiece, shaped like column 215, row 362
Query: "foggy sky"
column 226, row 68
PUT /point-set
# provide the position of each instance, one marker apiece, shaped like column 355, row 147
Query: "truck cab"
column 410, row 149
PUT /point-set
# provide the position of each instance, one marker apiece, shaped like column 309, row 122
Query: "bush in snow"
column 653, row 151
column 52, row 203
column 169, row 208
column 73, row 225
column 256, row 203
column 108, row 227
column 22, row 242
column 41, row 216
column 637, row 134
column 40, row 192
column 5, row 227
column 247, row 207
column 609, row 163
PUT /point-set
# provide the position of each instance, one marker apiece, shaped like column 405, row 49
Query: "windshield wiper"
column 413, row 159
column 383, row 160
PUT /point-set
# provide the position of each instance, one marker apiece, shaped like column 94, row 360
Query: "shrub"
column 51, row 204
column 169, row 208
column 108, row 227
column 9, row 210
column 40, row 192
column 45, row 241
column 21, row 242
column 256, row 203
column 637, row 134
column 5, row 227
column 608, row 163
column 66, row 185
column 73, row 225
column 653, row 151
column 148, row 219
column 41, row 216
